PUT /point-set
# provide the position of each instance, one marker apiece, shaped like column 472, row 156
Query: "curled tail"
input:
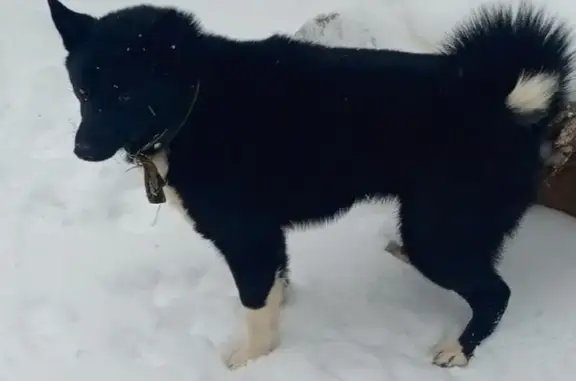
column 518, row 58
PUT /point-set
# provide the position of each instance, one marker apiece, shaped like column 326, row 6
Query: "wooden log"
column 558, row 189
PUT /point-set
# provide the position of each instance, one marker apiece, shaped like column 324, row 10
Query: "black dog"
column 261, row 135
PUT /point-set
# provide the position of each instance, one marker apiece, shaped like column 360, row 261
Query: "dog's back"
column 309, row 128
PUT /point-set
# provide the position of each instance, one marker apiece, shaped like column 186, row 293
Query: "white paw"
column 244, row 353
column 448, row 354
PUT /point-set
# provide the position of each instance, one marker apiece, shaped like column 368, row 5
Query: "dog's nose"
column 83, row 150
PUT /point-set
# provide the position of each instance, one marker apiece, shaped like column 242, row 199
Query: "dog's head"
column 131, row 72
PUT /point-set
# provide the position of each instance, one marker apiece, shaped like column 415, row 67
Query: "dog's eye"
column 124, row 97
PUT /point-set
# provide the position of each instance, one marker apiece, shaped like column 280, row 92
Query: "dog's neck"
column 155, row 151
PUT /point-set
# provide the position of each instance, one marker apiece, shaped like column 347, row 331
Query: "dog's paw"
column 244, row 353
column 449, row 354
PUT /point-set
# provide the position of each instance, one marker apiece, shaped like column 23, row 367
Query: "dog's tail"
column 517, row 58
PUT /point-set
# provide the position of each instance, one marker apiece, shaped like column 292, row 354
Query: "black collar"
column 163, row 139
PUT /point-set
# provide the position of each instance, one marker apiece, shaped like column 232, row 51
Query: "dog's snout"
column 84, row 151
column 94, row 148
column 81, row 146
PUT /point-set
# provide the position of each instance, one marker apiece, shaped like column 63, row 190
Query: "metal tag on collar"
column 154, row 141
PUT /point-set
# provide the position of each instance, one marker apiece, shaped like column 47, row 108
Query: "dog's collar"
column 153, row 182
column 164, row 138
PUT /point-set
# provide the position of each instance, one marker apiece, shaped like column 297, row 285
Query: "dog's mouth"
column 92, row 158
column 88, row 152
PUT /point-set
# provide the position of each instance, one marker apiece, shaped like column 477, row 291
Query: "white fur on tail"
column 532, row 93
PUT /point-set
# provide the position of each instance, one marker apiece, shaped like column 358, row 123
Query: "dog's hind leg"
column 487, row 295
column 456, row 248
column 256, row 255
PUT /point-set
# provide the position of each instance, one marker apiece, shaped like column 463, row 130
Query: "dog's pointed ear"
column 73, row 27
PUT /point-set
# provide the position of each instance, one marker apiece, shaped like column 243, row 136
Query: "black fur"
column 287, row 132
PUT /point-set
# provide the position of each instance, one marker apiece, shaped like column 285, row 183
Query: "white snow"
column 92, row 289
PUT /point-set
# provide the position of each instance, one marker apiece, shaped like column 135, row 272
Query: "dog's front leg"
column 256, row 255
column 262, row 328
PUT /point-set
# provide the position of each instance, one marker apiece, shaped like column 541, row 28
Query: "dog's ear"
column 72, row 26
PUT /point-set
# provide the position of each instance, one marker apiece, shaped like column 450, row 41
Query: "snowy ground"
column 92, row 289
